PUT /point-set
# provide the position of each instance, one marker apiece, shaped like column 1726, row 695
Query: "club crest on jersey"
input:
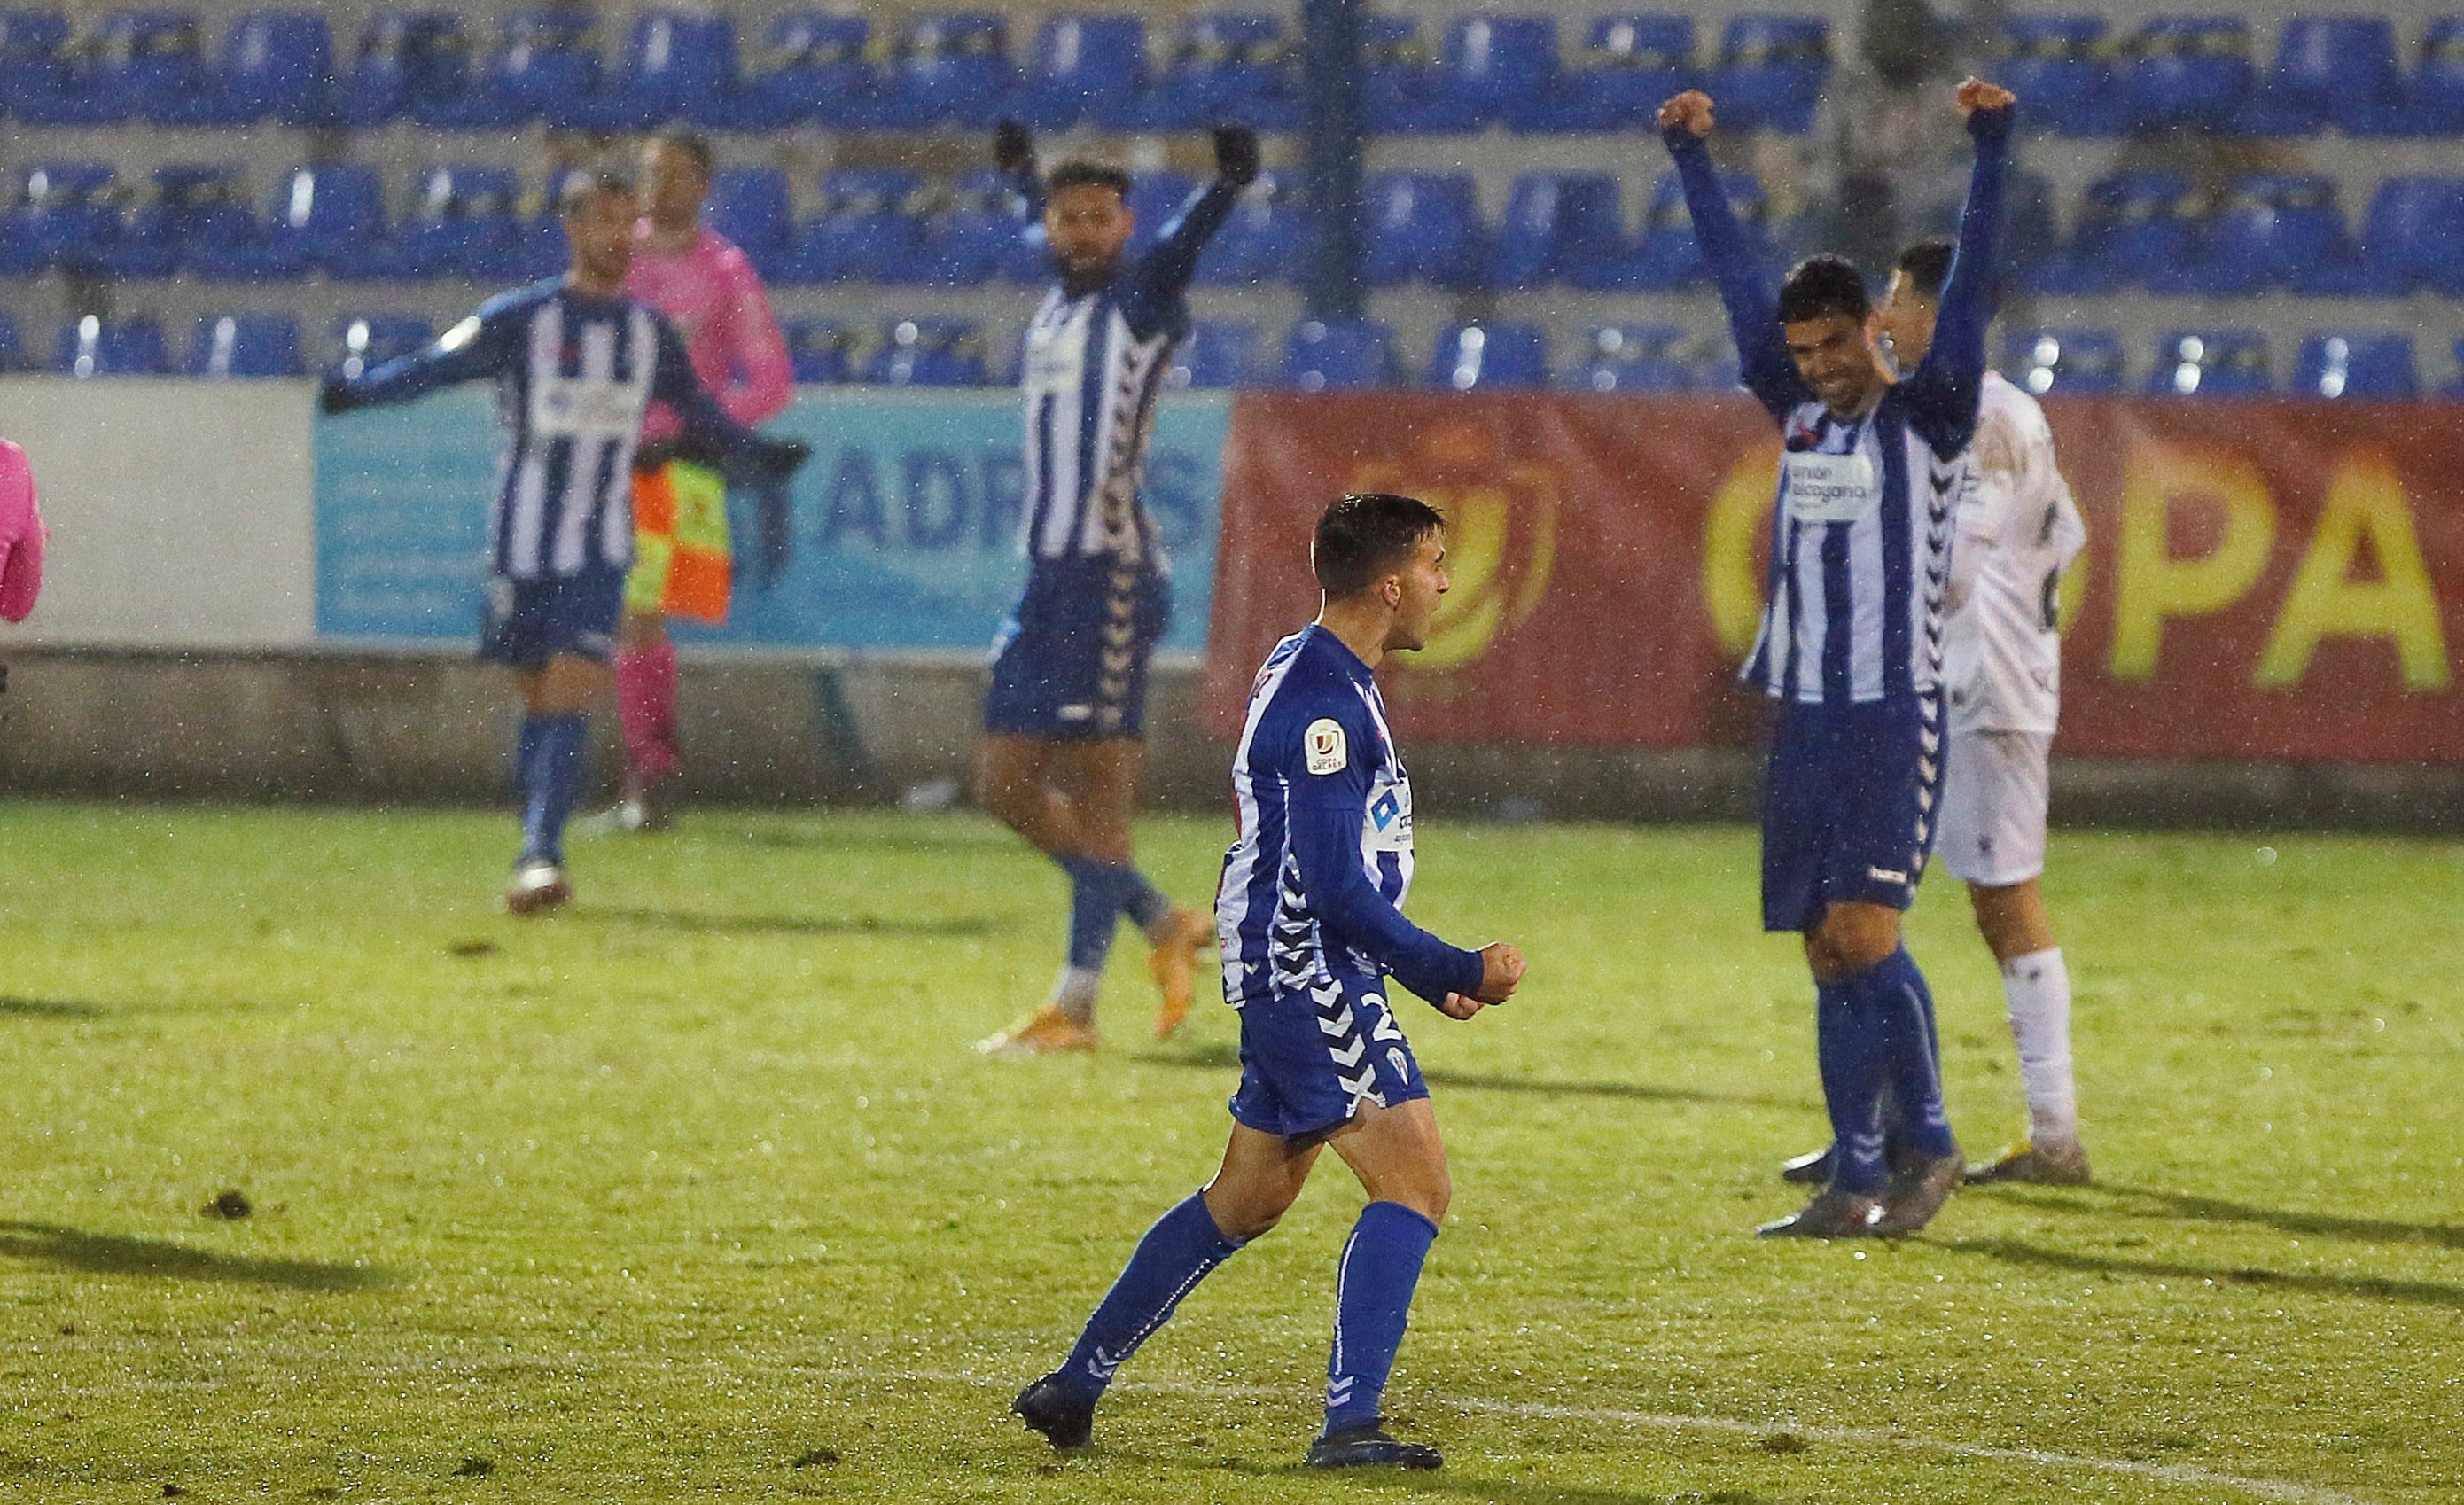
column 1324, row 747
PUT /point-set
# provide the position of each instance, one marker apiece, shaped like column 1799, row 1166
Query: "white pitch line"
column 2289, row 1493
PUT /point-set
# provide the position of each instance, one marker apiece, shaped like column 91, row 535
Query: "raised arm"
column 1944, row 390
column 1764, row 364
column 1161, row 278
column 475, row 349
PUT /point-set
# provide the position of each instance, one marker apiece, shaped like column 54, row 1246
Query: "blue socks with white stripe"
column 1373, row 1300
column 1874, row 1034
column 1177, row 1254
column 1100, row 893
column 548, row 764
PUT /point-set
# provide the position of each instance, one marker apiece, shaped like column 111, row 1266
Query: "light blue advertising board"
column 901, row 534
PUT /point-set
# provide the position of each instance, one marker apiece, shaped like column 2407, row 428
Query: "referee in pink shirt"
column 704, row 285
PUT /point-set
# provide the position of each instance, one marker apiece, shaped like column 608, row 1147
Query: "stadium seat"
column 2059, row 65
column 1666, row 257
column 2186, row 69
column 278, row 65
column 64, row 214
column 1226, row 66
column 970, row 239
column 2064, row 363
column 1553, row 220
column 330, row 217
column 194, row 213
column 2451, row 391
column 33, row 66
column 928, row 352
column 547, row 66
column 1770, row 71
column 2414, row 233
column 91, row 346
column 951, row 69
column 151, row 65
column 1084, row 68
column 246, row 345
column 2271, row 229
column 2438, row 78
column 2330, row 70
column 1421, row 227
column 1503, row 70
column 2221, row 362
column 821, row 350
column 367, row 341
column 1630, row 358
column 1628, row 64
column 2133, row 226
column 2356, row 364
column 671, row 61
column 12, row 348
column 867, row 230
column 819, row 70
column 1259, row 243
column 1486, row 356
column 1400, row 92
column 753, row 207
column 1219, row 353
column 420, row 64
column 1338, row 354
column 467, row 216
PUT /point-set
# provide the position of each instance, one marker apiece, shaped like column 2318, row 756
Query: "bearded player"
column 1851, row 650
column 1065, row 722
column 683, row 561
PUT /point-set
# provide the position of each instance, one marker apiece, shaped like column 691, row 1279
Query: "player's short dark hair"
column 1926, row 265
column 579, row 188
column 692, row 144
column 1823, row 286
column 1366, row 536
column 1081, row 172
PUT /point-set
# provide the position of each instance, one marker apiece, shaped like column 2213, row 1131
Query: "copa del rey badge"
column 1323, row 746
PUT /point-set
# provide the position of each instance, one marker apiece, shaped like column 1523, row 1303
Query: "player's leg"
column 556, row 702
column 1260, row 1176
column 646, row 714
column 1100, row 777
column 1401, row 1162
column 1015, row 781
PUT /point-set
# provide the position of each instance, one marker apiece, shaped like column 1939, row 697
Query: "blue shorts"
column 524, row 623
column 1309, row 1059
column 1848, row 806
column 1071, row 661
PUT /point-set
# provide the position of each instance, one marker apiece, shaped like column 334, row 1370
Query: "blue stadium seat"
column 2356, row 363
column 819, row 70
column 1338, row 354
column 1228, row 66
column 367, row 341
column 820, row 351
column 753, row 207
column 1628, row 64
column 867, row 231
column 2188, row 70
column 278, row 64
column 2414, row 233
column 1504, row 69
column 1770, row 71
column 546, row 65
column 2136, row 226
column 2064, row 363
column 1259, row 243
column 420, row 64
column 92, row 346
column 1554, row 220
column 2454, row 389
column 468, row 215
column 1488, row 355
column 2059, row 66
column 194, row 212
column 672, row 61
column 970, row 240
column 1666, row 257
column 152, row 65
column 12, row 348
column 1400, row 91
column 64, row 214
column 2330, row 70
column 1633, row 358
column 246, row 345
column 2270, row 228
column 950, row 69
column 1089, row 68
column 928, row 352
column 2214, row 363
column 33, row 63
column 1421, row 227
column 1219, row 353
column 330, row 217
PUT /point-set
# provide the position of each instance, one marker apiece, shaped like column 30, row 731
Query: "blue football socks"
column 1177, row 1254
column 1373, row 1300
column 1903, row 1008
column 550, row 754
column 1856, row 1067
column 1096, row 891
column 1145, row 904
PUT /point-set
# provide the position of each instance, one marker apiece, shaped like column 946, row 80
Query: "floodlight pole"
column 1332, row 76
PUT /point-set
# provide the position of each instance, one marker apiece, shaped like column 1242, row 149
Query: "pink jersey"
column 713, row 297
column 21, row 535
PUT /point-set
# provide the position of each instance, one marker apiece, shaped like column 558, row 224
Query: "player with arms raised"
column 1310, row 922
column 1851, row 648
column 1065, row 723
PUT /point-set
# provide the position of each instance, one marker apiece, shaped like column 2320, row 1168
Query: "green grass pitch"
column 697, row 1194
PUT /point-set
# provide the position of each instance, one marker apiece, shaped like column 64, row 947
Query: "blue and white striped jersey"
column 1316, row 884
column 1861, row 528
column 1093, row 366
column 574, row 373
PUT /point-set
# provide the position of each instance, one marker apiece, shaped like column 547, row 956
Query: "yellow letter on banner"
column 2150, row 584
column 1730, row 586
column 2365, row 500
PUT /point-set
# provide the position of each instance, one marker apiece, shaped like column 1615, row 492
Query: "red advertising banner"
column 2264, row 580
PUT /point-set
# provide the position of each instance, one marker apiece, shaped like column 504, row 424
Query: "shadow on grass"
column 48, row 1008
column 2374, row 1288
column 2152, row 1201
column 114, row 1254
column 700, row 923
column 1227, row 1058
column 1375, row 1483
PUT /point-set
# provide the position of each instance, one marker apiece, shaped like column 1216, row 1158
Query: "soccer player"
column 2017, row 530
column 1309, row 917
column 1065, row 722
column 1851, row 648
column 576, row 363
column 703, row 285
